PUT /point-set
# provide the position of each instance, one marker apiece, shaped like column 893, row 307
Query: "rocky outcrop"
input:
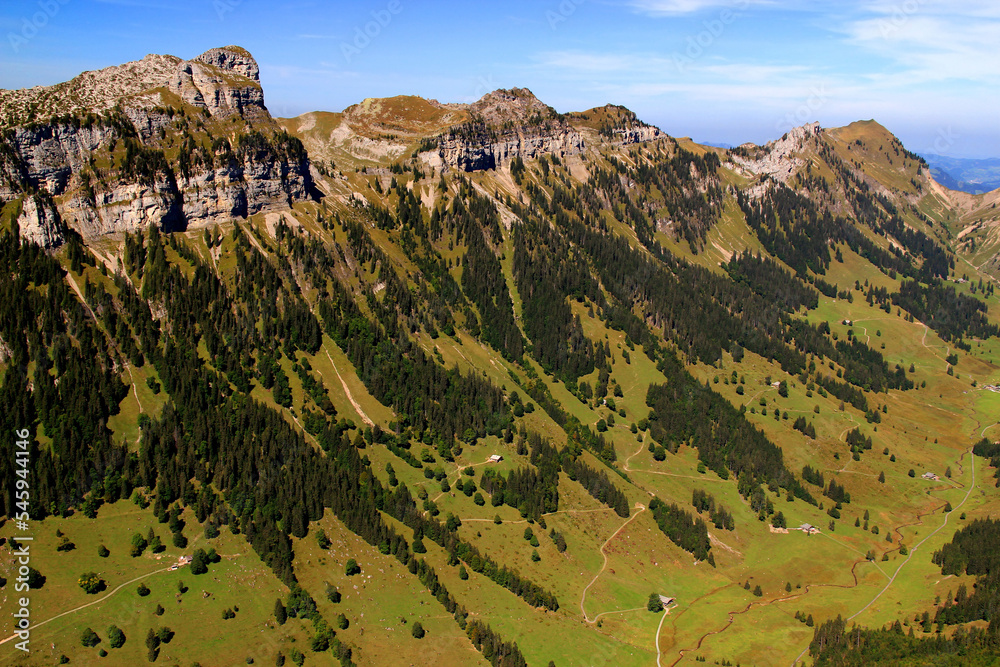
column 509, row 124
column 776, row 159
column 247, row 182
column 77, row 160
column 504, row 125
column 470, row 155
column 222, row 81
column 40, row 223
column 637, row 134
column 94, row 92
column 234, row 59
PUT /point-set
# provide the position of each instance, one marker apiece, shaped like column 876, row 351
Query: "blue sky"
column 721, row 71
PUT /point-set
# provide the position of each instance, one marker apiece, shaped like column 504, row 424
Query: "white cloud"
column 680, row 7
column 929, row 43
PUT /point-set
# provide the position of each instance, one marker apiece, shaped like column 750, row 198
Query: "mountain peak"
column 514, row 105
column 234, row 58
column 140, row 82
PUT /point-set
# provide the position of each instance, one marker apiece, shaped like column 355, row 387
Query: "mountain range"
column 432, row 383
column 967, row 175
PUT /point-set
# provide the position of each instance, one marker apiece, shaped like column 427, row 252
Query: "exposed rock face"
column 234, row 59
column 39, row 222
column 60, row 158
column 638, row 134
column 506, row 124
column 469, row 155
column 509, row 124
column 223, row 81
column 776, row 158
column 95, row 91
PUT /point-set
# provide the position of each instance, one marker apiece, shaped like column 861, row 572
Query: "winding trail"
column 666, row 612
column 620, row 611
column 808, row 587
column 89, row 604
column 350, row 397
column 458, row 475
column 583, row 598
column 923, row 341
column 892, row 579
column 761, row 603
column 628, row 468
column 79, row 293
column 972, row 487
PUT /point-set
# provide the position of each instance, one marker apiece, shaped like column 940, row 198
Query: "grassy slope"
column 240, row 580
column 716, row 617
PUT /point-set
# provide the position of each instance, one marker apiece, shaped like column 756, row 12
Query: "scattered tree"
column 89, row 638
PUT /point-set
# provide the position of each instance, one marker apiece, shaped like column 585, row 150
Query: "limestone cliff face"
column 46, row 228
column 222, row 81
column 100, row 189
column 637, row 134
column 509, row 124
column 504, row 125
column 468, row 154
column 777, row 159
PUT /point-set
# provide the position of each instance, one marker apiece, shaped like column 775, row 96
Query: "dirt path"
column 892, row 579
column 583, row 598
column 923, row 341
column 809, row 587
column 760, row 603
column 458, row 474
column 620, row 611
column 944, row 523
column 627, row 468
column 79, row 293
column 666, row 612
column 350, row 397
column 89, row 604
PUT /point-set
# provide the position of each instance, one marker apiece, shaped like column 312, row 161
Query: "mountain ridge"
column 514, row 375
column 106, row 163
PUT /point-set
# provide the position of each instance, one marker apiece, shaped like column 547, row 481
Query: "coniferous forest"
column 507, row 376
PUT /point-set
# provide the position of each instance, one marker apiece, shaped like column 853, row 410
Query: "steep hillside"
column 516, row 376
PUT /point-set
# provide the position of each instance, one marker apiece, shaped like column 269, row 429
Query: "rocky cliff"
column 777, row 159
column 162, row 141
column 504, row 125
column 509, row 124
